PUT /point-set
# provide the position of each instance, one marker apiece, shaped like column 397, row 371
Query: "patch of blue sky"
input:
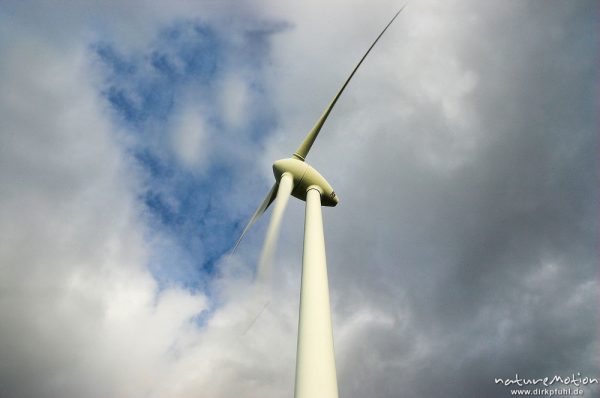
column 144, row 86
column 190, row 210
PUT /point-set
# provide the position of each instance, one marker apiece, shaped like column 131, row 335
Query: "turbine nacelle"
column 305, row 177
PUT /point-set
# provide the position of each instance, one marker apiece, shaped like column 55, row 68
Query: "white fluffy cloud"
column 190, row 138
column 234, row 101
column 83, row 316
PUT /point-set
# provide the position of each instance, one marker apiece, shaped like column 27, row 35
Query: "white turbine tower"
column 315, row 360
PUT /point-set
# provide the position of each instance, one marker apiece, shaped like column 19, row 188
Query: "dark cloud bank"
column 487, row 268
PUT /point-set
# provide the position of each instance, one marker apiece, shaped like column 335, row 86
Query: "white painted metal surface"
column 315, row 360
column 286, row 184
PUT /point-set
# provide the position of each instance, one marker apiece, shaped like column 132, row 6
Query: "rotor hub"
column 305, row 178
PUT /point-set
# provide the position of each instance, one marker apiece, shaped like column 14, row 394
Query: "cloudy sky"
column 136, row 138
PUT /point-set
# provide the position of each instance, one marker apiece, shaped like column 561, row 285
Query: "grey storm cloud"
column 464, row 247
column 486, row 263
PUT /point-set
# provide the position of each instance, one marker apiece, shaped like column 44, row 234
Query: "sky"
column 136, row 139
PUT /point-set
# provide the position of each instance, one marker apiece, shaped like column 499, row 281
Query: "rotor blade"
column 286, row 184
column 261, row 294
column 263, row 307
column 303, row 149
column 259, row 303
column 259, row 212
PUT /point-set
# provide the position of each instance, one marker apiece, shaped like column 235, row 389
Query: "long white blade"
column 259, row 212
column 305, row 146
column 286, row 184
column 260, row 301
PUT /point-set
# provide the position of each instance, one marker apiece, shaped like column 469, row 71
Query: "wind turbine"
column 315, row 360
